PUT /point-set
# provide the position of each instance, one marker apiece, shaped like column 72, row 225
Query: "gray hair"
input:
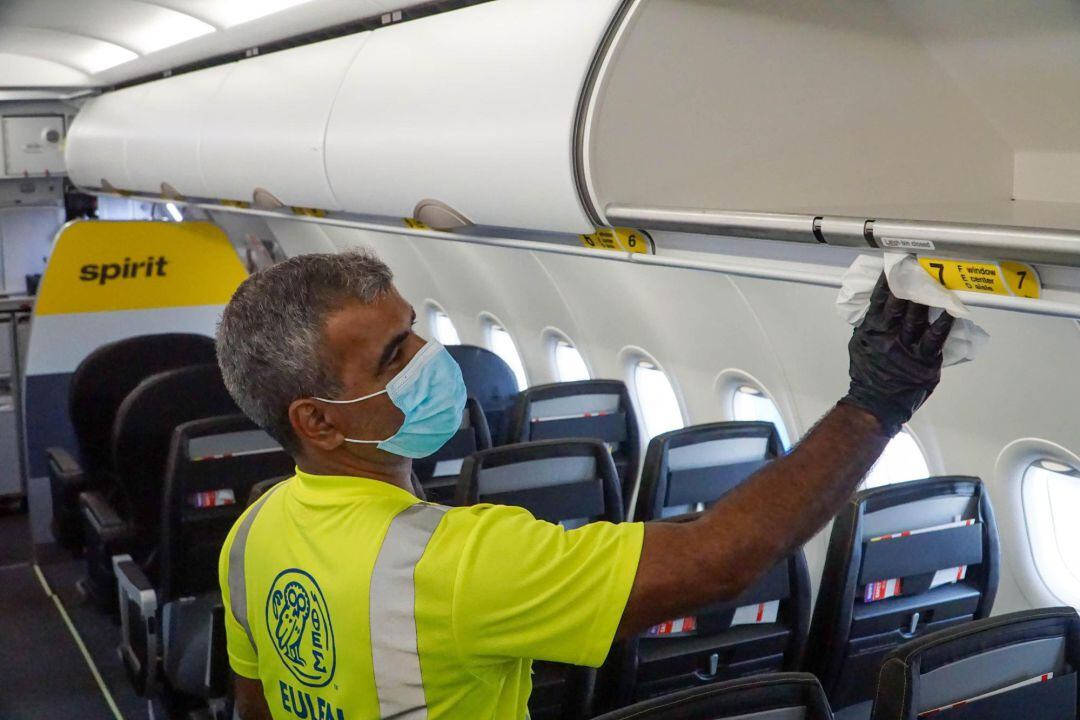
column 270, row 335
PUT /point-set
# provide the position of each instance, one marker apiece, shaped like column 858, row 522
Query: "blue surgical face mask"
column 431, row 393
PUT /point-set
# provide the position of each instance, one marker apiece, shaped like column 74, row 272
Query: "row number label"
column 1000, row 278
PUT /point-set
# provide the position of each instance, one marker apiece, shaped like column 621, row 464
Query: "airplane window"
column 500, row 343
column 174, row 212
column 902, row 460
column 569, row 364
column 1051, row 502
column 442, row 327
column 656, row 399
column 751, row 403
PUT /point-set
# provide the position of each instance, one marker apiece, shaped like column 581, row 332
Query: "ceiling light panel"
column 141, row 27
column 230, row 13
column 90, row 55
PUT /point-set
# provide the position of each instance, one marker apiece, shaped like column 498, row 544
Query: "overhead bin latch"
column 844, row 231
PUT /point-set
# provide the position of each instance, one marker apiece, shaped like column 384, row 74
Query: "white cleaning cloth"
column 909, row 281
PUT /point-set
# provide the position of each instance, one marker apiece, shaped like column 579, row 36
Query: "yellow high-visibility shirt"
column 361, row 601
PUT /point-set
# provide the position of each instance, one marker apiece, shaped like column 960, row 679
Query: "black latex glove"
column 895, row 358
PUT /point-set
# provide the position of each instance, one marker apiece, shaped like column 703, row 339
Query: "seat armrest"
column 105, row 534
column 64, row 465
column 139, row 626
column 66, row 481
column 100, row 513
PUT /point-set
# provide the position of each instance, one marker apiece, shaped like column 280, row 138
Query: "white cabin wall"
column 697, row 324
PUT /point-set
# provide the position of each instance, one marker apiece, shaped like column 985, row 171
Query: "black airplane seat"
column 167, row 624
column 904, row 560
column 438, row 473
column 570, row 482
column 778, row 696
column 1011, row 666
column 597, row 409
column 491, row 381
column 100, row 383
column 764, row 629
column 130, row 522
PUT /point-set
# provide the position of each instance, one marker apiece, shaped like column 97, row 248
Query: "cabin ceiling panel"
column 111, row 41
column 140, row 27
column 79, row 52
column 18, row 70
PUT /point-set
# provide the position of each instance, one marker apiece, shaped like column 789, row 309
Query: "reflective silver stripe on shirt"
column 394, row 654
column 237, row 574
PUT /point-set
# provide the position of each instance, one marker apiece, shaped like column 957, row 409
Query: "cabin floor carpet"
column 99, row 632
column 44, row 673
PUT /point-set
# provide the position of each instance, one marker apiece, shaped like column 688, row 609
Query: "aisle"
column 45, row 674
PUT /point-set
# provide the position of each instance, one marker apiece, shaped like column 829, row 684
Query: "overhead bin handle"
column 438, row 215
column 265, row 200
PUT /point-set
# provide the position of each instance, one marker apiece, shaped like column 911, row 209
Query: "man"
column 347, row 598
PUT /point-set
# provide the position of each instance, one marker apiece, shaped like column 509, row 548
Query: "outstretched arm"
column 895, row 365
column 250, row 701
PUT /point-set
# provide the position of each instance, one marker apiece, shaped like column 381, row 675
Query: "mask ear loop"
column 349, row 402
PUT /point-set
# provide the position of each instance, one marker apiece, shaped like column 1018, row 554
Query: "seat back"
column 438, row 473
column 903, row 560
column 142, row 438
column 764, row 629
column 597, row 409
column 107, row 375
column 491, row 381
column 571, row 482
column 1011, row 666
column 779, row 696
column 213, row 465
column 698, row 465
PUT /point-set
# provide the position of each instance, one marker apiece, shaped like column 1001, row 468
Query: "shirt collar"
column 333, row 487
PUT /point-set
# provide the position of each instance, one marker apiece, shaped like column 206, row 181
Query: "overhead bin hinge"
column 391, row 17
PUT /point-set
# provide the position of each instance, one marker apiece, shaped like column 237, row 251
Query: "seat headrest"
column 777, row 696
column 701, row 463
column 487, row 376
column 556, row 479
column 146, row 421
column 973, row 659
column 917, row 503
column 599, row 387
column 108, row 374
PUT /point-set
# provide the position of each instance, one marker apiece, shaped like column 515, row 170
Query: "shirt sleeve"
column 242, row 656
column 526, row 588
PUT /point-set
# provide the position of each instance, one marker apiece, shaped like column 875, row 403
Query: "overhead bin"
column 163, row 128
column 145, row 139
column 95, row 159
column 855, row 123
column 806, row 120
column 474, row 108
column 265, row 126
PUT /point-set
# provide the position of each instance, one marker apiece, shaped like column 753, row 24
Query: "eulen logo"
column 299, row 625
